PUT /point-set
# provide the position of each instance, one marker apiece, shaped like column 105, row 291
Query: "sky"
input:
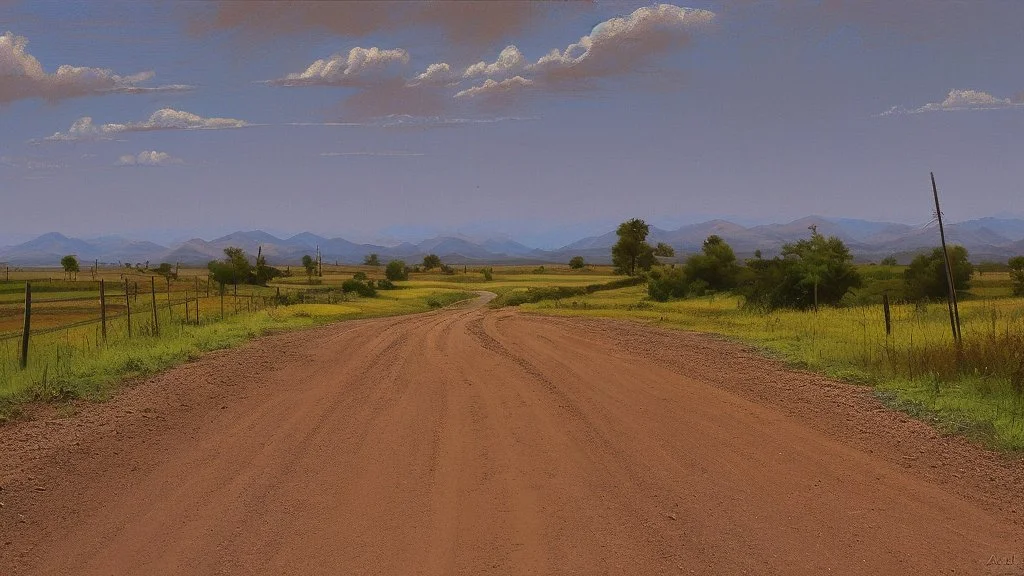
column 546, row 122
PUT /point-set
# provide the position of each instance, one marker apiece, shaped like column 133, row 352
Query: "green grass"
column 917, row 369
column 73, row 364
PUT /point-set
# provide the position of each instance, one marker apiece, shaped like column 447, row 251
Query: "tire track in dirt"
column 472, row 441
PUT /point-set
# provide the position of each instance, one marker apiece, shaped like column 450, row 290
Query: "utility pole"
column 954, row 312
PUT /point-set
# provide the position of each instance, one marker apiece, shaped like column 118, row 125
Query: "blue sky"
column 758, row 111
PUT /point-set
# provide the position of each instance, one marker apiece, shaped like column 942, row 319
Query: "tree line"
column 811, row 272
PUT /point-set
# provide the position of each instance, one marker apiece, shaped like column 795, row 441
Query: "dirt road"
column 473, row 441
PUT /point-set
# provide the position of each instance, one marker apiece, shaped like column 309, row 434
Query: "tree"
column 310, row 265
column 166, row 270
column 1017, row 274
column 262, row 274
column 234, row 269
column 818, row 266
column 372, row 259
column 826, row 266
column 632, row 253
column 577, row 263
column 715, row 265
column 70, row 264
column 664, row 250
column 925, row 278
column 396, row 270
column 889, row 261
column 431, row 261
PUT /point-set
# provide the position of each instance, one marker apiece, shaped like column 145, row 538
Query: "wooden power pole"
column 954, row 312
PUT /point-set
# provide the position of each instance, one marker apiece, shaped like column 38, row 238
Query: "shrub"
column 385, row 284
column 577, row 263
column 361, row 288
column 396, row 270
column 1017, row 274
column 488, row 274
column 361, row 276
column 926, row 276
column 666, row 283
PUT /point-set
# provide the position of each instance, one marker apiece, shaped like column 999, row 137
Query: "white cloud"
column 358, row 66
column 510, row 60
column 437, row 74
column 492, row 87
column 164, row 119
column 615, row 47
column 22, row 76
column 148, row 158
column 622, row 45
column 960, row 100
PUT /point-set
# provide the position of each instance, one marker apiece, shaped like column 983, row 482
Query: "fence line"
column 188, row 290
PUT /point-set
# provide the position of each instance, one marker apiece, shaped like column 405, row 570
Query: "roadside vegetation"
column 812, row 307
column 198, row 310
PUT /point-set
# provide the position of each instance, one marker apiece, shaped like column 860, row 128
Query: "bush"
column 396, row 270
column 1017, row 274
column 577, row 263
column 488, row 274
column 666, row 283
column 362, row 288
column 361, row 276
column 385, row 284
column 926, row 276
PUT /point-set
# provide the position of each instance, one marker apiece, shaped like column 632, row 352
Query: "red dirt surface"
column 473, row 441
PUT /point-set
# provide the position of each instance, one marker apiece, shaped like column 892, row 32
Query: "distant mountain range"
column 986, row 239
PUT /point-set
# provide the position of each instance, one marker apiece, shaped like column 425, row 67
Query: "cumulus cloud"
column 148, row 158
column 623, row 45
column 615, row 47
column 491, row 87
column 164, row 119
column 359, row 66
column 22, row 77
column 438, row 74
column 961, row 100
column 509, row 61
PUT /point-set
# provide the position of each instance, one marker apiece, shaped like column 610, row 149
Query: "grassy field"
column 76, row 362
column 974, row 390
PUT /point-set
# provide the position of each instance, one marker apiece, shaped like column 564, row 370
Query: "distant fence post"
column 197, row 304
column 136, row 292
column 222, row 302
column 156, row 323
column 103, row 310
column 28, row 325
column 888, row 318
column 128, row 307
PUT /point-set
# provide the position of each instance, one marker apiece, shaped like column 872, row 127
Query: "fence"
column 117, row 308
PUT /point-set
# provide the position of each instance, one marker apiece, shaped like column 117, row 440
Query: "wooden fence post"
column 888, row 318
column 136, row 291
column 222, row 302
column 128, row 307
column 103, row 310
column 28, row 325
column 197, row 305
column 156, row 323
